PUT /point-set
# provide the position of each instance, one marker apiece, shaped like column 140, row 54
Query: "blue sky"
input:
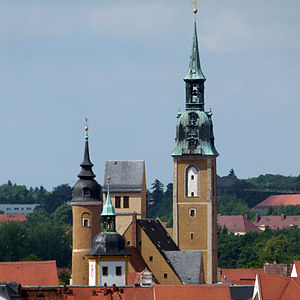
column 122, row 63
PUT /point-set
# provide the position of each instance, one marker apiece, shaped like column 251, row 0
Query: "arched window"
column 192, row 181
column 85, row 219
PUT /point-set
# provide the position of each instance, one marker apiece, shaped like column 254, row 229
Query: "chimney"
column 257, row 218
column 283, row 216
column 134, row 233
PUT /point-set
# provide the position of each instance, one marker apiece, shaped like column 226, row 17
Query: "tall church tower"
column 194, row 189
column 86, row 217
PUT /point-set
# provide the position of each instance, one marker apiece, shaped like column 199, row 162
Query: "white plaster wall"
column 294, row 271
column 112, row 278
column 193, row 184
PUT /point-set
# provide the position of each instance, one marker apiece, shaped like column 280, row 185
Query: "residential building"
column 23, row 209
column 12, row 217
column 276, row 222
column 239, row 225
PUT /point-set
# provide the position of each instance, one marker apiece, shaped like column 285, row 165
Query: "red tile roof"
column 278, row 200
column 12, row 217
column 239, row 276
column 30, row 273
column 236, row 223
column 275, row 286
column 136, row 259
column 192, row 292
column 278, row 222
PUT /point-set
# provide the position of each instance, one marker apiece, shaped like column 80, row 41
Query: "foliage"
column 255, row 248
column 289, row 210
column 64, row 277
column 42, row 237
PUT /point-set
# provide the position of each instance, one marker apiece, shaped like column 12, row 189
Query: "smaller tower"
column 108, row 260
column 86, row 217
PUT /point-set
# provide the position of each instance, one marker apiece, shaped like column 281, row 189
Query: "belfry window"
column 192, row 181
column 86, row 192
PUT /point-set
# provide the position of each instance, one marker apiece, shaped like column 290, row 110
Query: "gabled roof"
column 241, row 292
column 236, row 223
column 12, row 217
column 136, row 259
column 126, row 175
column 279, row 200
column 275, row 286
column 30, row 273
column 239, row 276
column 158, row 235
column 278, row 222
column 187, row 265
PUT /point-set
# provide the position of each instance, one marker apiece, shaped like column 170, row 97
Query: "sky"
column 122, row 63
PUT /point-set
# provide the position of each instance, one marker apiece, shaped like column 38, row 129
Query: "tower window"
column 128, row 243
column 192, row 235
column 192, row 181
column 117, row 202
column 118, row 271
column 85, row 222
column 105, row 271
column 192, row 212
column 165, row 275
column 125, row 202
column 150, row 258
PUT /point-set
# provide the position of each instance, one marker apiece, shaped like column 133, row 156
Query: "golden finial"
column 195, row 10
column 86, row 128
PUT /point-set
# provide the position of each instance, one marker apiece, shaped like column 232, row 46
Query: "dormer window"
column 86, row 192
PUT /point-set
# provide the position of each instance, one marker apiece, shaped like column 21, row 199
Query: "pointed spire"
column 194, row 71
column 86, row 165
column 108, row 208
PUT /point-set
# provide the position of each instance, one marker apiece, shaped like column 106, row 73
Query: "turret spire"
column 86, row 165
column 108, row 215
column 194, row 71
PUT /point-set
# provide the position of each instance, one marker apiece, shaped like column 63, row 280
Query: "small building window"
column 128, row 243
column 117, row 202
column 118, row 271
column 16, row 208
column 192, row 194
column 140, row 243
column 150, row 258
column 192, row 235
column 192, row 212
column 165, row 275
column 28, row 208
column 192, row 177
column 125, row 202
column 85, row 222
column 105, row 271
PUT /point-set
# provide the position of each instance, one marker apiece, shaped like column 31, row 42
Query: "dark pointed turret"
column 86, row 189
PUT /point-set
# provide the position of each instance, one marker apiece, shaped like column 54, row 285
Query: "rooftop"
column 279, row 200
column 12, row 217
column 278, row 222
column 236, row 223
column 239, row 276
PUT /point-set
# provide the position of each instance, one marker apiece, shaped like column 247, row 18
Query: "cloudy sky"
column 121, row 64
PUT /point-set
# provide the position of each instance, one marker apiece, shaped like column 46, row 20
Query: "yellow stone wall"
column 158, row 266
column 203, row 225
column 82, row 241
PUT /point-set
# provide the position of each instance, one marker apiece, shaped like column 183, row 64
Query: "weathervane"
column 195, row 10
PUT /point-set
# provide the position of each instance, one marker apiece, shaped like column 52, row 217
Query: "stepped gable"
column 30, row 273
column 187, row 264
column 126, row 175
column 236, row 223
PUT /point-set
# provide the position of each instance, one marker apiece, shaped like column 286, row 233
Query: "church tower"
column 86, row 217
column 194, row 171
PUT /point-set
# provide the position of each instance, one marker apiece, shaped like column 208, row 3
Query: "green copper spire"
column 194, row 71
column 108, row 208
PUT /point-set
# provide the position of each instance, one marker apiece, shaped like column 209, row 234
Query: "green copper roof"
column 194, row 71
column 194, row 134
column 108, row 208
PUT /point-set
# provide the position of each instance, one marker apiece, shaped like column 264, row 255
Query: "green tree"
column 63, row 214
column 157, row 190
